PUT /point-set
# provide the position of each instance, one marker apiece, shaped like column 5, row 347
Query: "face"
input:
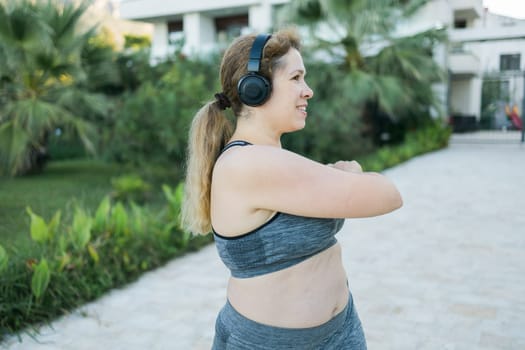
column 287, row 106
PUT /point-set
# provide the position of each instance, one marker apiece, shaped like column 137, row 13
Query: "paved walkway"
column 447, row 271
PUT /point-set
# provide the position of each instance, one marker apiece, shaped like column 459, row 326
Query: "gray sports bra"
column 281, row 242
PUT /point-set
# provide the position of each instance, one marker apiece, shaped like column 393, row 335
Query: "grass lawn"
column 62, row 184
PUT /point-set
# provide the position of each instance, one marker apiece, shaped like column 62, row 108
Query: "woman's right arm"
column 278, row 180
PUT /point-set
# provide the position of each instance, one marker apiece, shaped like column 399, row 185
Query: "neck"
column 253, row 129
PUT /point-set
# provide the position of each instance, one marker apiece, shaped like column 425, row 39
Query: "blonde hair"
column 211, row 129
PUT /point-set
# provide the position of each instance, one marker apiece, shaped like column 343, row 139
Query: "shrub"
column 75, row 260
column 130, row 187
column 151, row 126
column 433, row 137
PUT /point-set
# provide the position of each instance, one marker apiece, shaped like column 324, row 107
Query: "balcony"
column 467, row 9
column 151, row 9
column 464, row 64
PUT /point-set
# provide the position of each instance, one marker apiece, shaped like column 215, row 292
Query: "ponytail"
column 210, row 129
column 209, row 132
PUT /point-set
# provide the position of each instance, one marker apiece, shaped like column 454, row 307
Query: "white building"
column 481, row 45
column 486, row 49
column 202, row 23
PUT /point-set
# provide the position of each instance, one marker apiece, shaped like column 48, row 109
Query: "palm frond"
column 410, row 7
column 13, row 145
column 89, row 105
column 390, row 94
column 21, row 26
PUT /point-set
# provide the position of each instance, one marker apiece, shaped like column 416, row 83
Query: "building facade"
column 487, row 53
column 483, row 48
column 203, row 24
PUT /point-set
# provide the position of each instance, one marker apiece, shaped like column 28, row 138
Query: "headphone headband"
column 256, row 52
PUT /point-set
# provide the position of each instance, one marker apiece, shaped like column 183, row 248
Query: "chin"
column 297, row 127
column 301, row 125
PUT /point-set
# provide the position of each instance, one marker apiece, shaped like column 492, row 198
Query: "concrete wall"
column 489, row 52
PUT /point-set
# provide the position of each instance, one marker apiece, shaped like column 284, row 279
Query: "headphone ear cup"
column 254, row 89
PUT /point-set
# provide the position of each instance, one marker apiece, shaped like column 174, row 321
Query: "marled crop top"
column 281, row 242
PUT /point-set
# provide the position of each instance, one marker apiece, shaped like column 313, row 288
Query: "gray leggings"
column 233, row 331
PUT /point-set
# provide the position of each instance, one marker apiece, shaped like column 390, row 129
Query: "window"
column 457, row 47
column 175, row 32
column 230, row 27
column 509, row 62
column 460, row 23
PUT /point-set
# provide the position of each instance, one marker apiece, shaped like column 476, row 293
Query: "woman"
column 274, row 213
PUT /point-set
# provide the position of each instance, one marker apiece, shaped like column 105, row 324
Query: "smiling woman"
column 274, row 213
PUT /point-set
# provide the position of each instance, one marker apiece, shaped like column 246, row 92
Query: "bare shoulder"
column 256, row 165
column 243, row 161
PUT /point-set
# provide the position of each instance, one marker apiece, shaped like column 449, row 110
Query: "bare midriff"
column 304, row 295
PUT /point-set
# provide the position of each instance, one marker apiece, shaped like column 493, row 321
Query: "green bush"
column 151, row 125
column 130, row 187
column 433, row 137
column 78, row 258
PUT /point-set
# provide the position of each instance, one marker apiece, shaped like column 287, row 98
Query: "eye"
column 296, row 77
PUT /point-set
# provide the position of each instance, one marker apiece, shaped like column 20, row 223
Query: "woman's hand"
column 348, row 166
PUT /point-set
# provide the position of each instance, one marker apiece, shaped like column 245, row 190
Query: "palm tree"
column 389, row 77
column 43, row 81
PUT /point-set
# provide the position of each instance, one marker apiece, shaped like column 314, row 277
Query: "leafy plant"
column 130, row 187
column 76, row 260
column 152, row 124
column 46, row 62
column 4, row 259
column 80, row 229
column 40, row 231
column 40, row 279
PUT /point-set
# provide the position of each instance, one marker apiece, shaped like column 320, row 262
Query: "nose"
column 307, row 92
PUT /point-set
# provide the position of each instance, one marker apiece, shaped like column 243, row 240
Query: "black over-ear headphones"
column 253, row 88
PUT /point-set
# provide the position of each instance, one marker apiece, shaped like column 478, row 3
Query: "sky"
column 511, row 8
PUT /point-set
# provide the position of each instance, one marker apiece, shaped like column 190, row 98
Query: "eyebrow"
column 298, row 71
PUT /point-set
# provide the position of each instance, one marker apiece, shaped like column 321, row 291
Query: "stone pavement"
column 447, row 271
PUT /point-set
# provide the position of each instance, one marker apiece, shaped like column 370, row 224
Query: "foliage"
column 50, row 70
column 130, row 187
column 74, row 261
column 135, row 69
column 63, row 184
column 389, row 76
column 151, row 125
column 433, row 137
column 136, row 42
column 3, row 259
